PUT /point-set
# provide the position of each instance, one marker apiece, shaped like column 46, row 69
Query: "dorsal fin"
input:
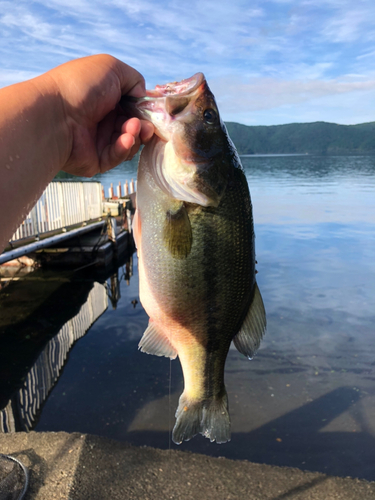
column 155, row 342
column 253, row 328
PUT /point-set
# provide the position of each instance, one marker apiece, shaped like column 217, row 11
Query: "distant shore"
column 301, row 138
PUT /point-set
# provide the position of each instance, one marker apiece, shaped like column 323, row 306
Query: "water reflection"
column 306, row 167
column 37, row 334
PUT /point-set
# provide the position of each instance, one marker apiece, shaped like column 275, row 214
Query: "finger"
column 139, row 90
column 105, row 130
column 147, row 131
column 120, row 120
column 125, row 147
column 124, row 144
column 122, row 149
column 132, row 126
column 134, row 150
column 131, row 81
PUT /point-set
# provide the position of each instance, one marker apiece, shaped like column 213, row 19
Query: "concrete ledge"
column 80, row 467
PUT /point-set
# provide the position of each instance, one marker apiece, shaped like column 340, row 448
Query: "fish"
column 194, row 233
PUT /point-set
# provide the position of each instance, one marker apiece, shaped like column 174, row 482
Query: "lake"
column 306, row 400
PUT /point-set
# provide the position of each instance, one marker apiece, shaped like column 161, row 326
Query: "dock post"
column 115, row 294
column 111, row 228
column 129, row 220
column 61, row 198
column 34, row 220
column 112, row 234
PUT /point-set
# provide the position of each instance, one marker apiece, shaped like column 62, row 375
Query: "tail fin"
column 210, row 417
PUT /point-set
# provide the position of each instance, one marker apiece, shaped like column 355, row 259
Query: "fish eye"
column 210, row 116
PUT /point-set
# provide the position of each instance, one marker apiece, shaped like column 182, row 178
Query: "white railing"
column 122, row 191
column 62, row 204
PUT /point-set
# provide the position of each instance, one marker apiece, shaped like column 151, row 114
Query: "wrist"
column 35, row 143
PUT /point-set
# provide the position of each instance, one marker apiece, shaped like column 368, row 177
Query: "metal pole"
column 33, row 247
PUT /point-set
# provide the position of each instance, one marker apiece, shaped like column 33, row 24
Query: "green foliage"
column 313, row 138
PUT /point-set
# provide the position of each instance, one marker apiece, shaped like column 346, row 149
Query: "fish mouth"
column 184, row 87
column 163, row 102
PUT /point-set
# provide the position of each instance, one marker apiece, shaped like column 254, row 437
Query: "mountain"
column 313, row 138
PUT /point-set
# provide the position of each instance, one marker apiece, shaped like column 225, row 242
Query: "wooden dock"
column 74, row 223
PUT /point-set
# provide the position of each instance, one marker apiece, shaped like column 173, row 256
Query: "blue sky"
column 267, row 62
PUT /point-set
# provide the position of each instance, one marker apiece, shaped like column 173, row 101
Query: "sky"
column 267, row 62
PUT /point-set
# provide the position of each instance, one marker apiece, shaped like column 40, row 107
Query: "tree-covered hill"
column 318, row 138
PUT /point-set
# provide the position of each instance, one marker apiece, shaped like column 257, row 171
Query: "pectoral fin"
column 253, row 328
column 177, row 233
column 155, row 342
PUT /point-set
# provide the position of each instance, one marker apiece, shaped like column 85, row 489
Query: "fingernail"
column 137, row 91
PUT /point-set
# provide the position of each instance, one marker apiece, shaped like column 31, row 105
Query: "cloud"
column 350, row 23
column 27, row 23
column 269, row 101
column 267, row 93
column 279, row 53
column 8, row 77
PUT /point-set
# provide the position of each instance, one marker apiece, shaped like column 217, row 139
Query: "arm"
column 66, row 119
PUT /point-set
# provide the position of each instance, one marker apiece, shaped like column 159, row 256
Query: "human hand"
column 100, row 136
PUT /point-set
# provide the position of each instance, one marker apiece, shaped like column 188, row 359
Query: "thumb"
column 131, row 81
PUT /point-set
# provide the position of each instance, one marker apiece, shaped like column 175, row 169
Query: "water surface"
column 308, row 398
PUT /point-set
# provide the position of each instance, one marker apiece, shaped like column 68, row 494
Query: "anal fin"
column 253, row 328
column 155, row 342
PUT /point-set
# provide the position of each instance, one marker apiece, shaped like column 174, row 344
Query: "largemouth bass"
column 194, row 233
